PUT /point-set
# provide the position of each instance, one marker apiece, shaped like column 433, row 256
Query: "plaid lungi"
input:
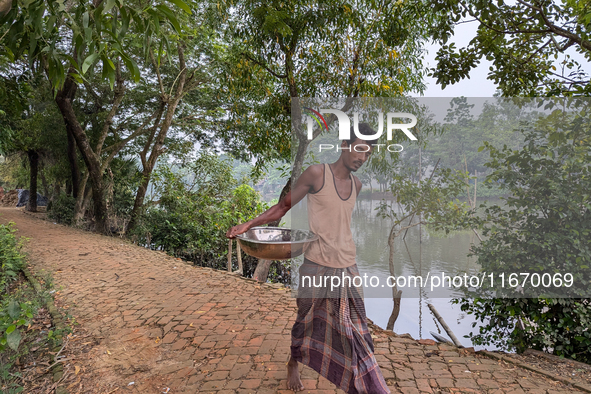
column 330, row 334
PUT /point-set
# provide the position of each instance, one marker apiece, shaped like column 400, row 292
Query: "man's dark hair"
column 364, row 129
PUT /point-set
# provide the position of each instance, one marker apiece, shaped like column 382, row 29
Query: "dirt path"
column 155, row 323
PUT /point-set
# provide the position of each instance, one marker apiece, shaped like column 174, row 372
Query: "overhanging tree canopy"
column 68, row 40
column 527, row 42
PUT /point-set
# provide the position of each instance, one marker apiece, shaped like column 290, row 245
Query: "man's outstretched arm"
column 304, row 185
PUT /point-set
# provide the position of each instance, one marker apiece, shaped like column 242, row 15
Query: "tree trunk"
column 82, row 196
column 44, row 183
column 262, row 270
column 64, row 100
column 109, row 193
column 286, row 189
column 73, row 160
column 101, row 218
column 139, row 199
column 396, row 294
column 57, row 189
column 82, row 205
column 34, row 167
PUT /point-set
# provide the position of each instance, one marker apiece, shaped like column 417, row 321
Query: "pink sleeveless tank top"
column 329, row 216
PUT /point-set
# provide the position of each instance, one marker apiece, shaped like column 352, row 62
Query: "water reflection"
column 417, row 253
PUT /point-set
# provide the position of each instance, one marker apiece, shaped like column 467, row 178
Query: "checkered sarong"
column 330, row 334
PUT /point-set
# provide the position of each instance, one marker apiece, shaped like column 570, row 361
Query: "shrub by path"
column 159, row 323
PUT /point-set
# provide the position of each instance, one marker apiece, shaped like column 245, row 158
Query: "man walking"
column 330, row 334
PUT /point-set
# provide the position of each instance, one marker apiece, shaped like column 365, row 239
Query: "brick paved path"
column 162, row 324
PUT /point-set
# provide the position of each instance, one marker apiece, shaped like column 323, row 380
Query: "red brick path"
column 161, row 324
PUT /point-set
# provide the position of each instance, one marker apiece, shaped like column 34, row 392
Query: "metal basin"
column 275, row 243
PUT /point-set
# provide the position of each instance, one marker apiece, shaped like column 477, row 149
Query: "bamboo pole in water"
column 445, row 326
column 420, row 213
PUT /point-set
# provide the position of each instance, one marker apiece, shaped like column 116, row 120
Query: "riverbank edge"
column 499, row 356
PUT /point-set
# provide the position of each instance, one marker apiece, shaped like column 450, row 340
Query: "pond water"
column 419, row 253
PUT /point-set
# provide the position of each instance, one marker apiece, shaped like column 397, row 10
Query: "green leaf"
column 85, row 19
column 107, row 63
column 170, row 15
column 109, row 4
column 168, row 51
column 14, row 309
column 10, row 329
column 131, row 67
column 111, row 76
column 88, row 34
column 89, row 61
column 13, row 339
column 181, row 4
column 125, row 17
column 51, row 22
column 77, row 78
column 32, row 47
column 72, row 61
column 160, row 51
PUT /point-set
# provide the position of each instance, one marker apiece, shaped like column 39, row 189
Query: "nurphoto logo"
column 345, row 128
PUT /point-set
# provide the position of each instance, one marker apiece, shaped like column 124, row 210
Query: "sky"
column 477, row 86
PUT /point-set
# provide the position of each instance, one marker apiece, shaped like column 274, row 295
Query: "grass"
column 27, row 332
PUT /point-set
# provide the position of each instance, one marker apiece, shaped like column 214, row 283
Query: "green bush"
column 13, row 314
column 197, row 206
column 544, row 227
column 10, row 257
column 62, row 209
column 556, row 325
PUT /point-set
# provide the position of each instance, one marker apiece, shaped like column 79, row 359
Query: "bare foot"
column 293, row 376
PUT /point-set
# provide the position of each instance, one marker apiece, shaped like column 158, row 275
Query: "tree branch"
column 519, row 31
column 535, row 53
column 115, row 148
column 282, row 76
column 94, row 94
column 572, row 81
column 153, row 129
column 157, row 69
column 529, row 5
column 565, row 33
column 119, row 93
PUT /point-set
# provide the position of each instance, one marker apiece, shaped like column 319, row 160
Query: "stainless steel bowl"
column 275, row 243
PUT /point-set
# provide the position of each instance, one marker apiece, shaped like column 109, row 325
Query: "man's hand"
column 236, row 230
